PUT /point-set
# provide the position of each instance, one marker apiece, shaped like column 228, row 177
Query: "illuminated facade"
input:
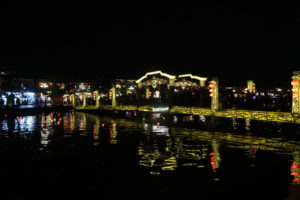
column 183, row 80
column 153, row 84
column 251, row 86
column 158, row 78
column 188, row 80
column 295, row 93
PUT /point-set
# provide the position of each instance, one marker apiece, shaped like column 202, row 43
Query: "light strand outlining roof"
column 156, row 72
column 192, row 77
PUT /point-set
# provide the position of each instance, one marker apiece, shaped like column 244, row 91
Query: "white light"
column 156, row 72
column 44, row 85
column 156, row 94
column 82, row 86
column 193, row 77
column 131, row 88
column 160, row 130
column 160, row 109
column 31, row 94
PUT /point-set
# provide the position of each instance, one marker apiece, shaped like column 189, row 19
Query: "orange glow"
column 295, row 166
column 295, row 173
column 95, row 129
column 296, row 180
column 211, row 87
column 295, row 82
column 212, row 160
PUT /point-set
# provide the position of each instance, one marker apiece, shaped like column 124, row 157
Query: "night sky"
column 232, row 43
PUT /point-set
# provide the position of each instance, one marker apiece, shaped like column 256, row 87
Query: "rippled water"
column 67, row 155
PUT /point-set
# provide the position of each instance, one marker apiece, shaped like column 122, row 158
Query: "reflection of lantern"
column 295, row 172
column 80, row 97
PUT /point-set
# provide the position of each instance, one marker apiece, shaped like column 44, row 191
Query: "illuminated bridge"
column 160, row 81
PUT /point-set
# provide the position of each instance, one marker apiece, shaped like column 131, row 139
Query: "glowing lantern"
column 295, row 94
column 295, row 90
column 211, row 87
column 110, row 95
column 295, row 82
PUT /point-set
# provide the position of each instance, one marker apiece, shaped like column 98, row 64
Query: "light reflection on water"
column 161, row 147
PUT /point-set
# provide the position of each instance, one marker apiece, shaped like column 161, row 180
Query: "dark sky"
column 232, row 43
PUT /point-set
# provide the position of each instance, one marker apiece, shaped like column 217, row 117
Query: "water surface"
column 68, row 155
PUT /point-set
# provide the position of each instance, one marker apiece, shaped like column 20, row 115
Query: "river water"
column 70, row 155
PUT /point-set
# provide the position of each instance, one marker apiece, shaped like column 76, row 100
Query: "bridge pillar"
column 215, row 94
column 147, row 93
column 84, row 99
column 295, row 92
column 73, row 100
column 97, row 99
column 113, row 99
